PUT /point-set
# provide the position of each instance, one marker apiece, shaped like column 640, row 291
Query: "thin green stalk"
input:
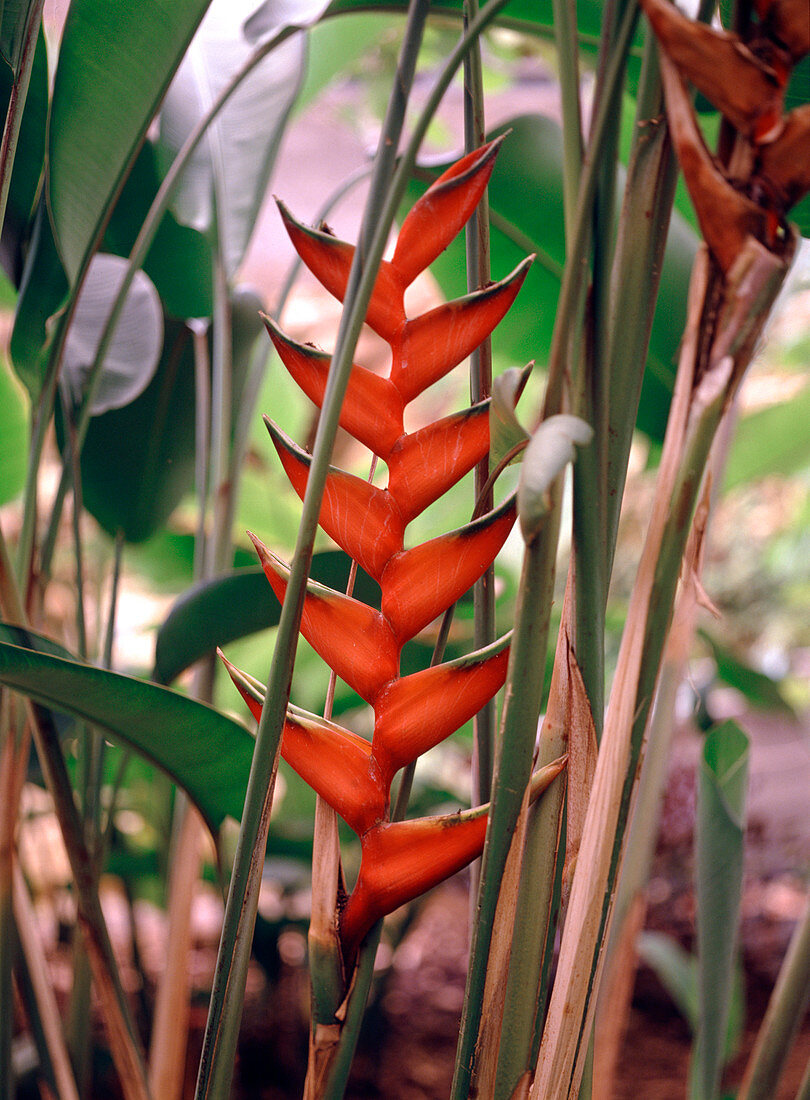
column 533, row 936
column 219, row 1049
column 709, row 370
column 571, row 301
column 783, row 1018
column 589, row 400
column 478, row 274
column 565, row 34
column 221, row 389
column 512, row 769
column 16, row 103
column 384, row 199
column 641, row 240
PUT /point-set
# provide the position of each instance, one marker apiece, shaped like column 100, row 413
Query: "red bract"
column 362, row 645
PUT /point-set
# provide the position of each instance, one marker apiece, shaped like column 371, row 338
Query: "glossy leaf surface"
column 115, row 62
column 203, row 751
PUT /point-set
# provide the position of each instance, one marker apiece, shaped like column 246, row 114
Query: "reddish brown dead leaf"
column 783, row 166
column 788, row 22
column 747, row 90
column 727, row 218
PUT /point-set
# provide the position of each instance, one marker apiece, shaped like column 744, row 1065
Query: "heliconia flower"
column 400, row 860
column 362, row 644
column 746, row 79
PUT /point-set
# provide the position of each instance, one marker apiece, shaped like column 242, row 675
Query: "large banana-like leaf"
column 201, row 750
column 115, row 63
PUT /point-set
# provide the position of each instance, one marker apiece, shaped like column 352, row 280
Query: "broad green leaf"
column 115, row 63
column 203, row 751
column 179, row 260
column 138, row 461
column 525, row 195
column 798, row 93
column 225, row 183
column 134, row 349
column 13, row 435
column 774, row 440
column 551, row 448
column 505, row 430
column 220, row 611
column 760, row 691
column 719, row 829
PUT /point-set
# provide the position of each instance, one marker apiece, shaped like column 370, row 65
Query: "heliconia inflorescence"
column 399, row 860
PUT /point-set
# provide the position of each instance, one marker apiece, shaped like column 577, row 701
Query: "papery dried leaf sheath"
column 746, row 78
column 361, row 644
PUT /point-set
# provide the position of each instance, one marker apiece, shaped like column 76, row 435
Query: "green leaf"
column 226, row 180
column 760, row 691
column 179, row 260
column 336, row 45
column 774, row 440
column 719, row 828
column 551, row 448
column 115, row 63
column 13, row 435
column 217, row 612
column 138, row 462
column 43, row 292
column 134, row 350
column 203, row 751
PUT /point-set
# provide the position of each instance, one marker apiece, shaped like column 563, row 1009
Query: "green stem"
column 478, row 274
column 219, row 545
column 565, row 28
column 512, row 769
column 350, row 1032
column 571, row 301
